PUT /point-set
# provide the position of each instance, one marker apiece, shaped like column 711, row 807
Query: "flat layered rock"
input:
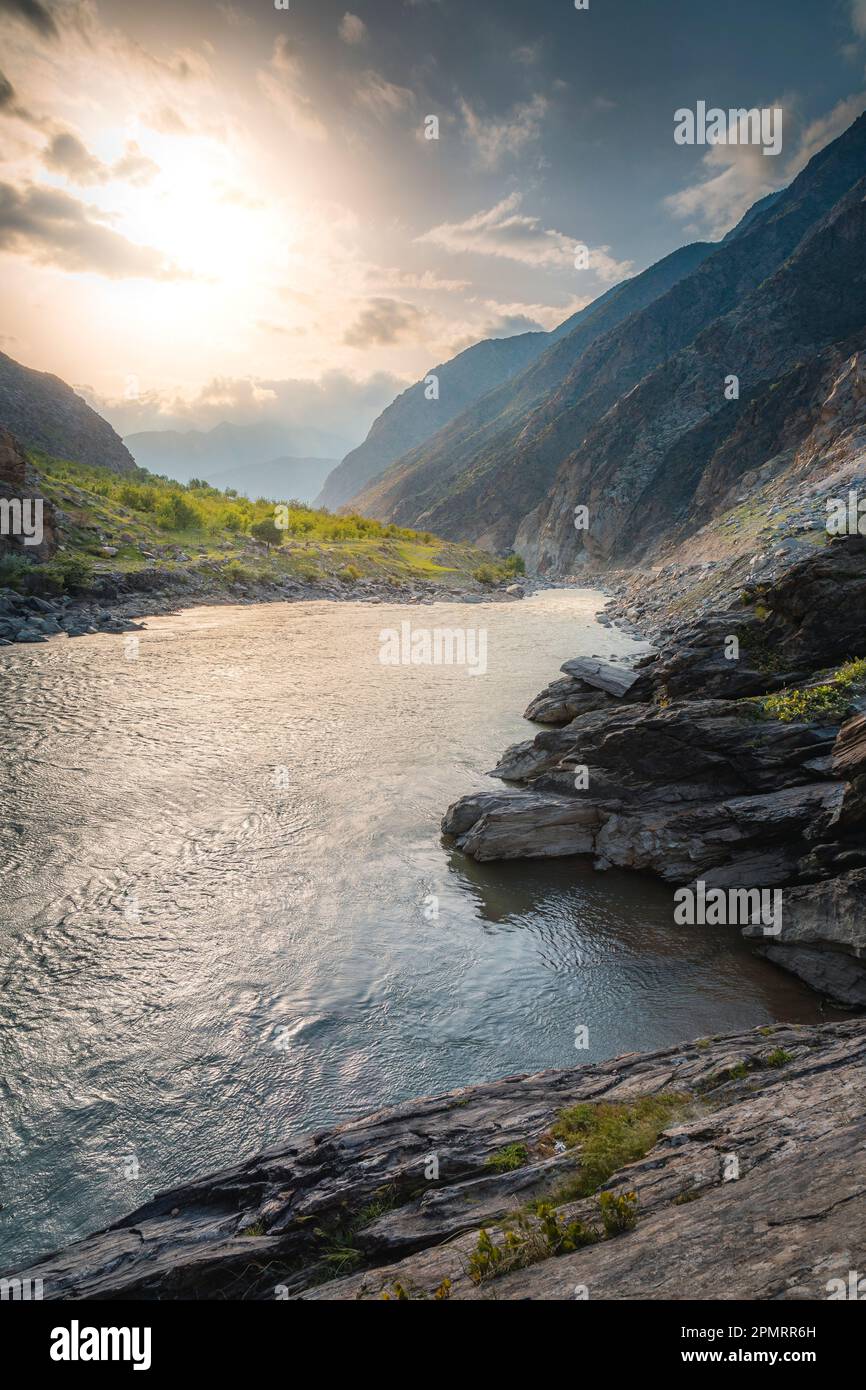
column 601, row 675
column 788, row 1103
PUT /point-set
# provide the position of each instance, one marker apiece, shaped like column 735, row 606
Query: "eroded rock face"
column 786, row 1103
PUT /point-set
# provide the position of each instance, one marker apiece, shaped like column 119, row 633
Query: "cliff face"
column 727, row 1168
column 44, row 413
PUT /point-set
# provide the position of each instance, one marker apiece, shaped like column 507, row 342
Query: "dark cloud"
column 33, row 13
column 383, row 321
column 67, row 155
column 7, row 91
column 50, row 227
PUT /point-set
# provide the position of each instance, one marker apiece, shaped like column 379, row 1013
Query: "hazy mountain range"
column 257, row 458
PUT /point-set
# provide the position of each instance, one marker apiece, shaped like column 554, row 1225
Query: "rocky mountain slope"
column 411, row 419
column 721, row 1169
column 653, row 383
column 44, row 413
column 420, row 480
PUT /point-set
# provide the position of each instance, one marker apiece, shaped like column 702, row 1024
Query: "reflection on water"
column 201, row 954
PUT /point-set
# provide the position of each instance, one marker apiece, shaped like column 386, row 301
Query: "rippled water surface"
column 198, row 957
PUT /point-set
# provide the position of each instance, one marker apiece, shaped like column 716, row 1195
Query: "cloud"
column 134, row 166
column 281, row 83
column 383, row 321
column 858, row 17
column 32, row 13
column 506, row 232
column 167, row 121
column 65, row 154
column 51, row 228
column 336, row 403
column 7, row 91
column 493, row 139
column 734, row 177
column 352, row 29
column 381, row 97
column 826, row 128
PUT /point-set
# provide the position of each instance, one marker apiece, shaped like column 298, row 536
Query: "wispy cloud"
column 352, row 29
column 505, row 231
column 382, row 97
column 282, row 83
column 495, row 138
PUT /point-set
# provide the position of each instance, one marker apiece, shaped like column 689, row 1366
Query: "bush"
column 174, row 513
column 267, row 532
column 349, row 574
column 485, row 574
column 74, row 573
column 138, row 499
column 14, row 572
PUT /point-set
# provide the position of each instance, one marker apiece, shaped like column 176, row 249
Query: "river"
column 228, row 914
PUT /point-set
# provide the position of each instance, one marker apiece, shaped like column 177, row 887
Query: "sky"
column 228, row 211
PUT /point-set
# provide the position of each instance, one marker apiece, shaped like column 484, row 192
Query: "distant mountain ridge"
column 282, row 479
column 45, row 413
column 229, row 451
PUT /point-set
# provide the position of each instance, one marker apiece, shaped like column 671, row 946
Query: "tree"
column 268, row 532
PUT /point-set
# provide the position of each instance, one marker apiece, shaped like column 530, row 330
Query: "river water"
column 228, row 915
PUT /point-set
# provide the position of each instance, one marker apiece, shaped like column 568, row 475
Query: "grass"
column 828, row 702
column 195, row 529
column 610, row 1135
column 507, row 1159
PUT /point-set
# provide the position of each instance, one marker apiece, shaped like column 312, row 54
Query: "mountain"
column 513, row 467
column 673, row 451
column 229, row 449
column 423, row 478
column 411, row 419
column 44, row 413
column 280, row 479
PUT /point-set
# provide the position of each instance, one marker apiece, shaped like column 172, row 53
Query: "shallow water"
column 199, row 957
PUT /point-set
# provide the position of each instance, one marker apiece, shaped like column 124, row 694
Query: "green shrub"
column 485, row 574
column 349, row 574
column 511, row 1157
column 15, row 572
column 174, row 513
column 618, row 1213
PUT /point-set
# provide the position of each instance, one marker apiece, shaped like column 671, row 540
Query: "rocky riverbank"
column 118, row 603
column 735, row 755
column 724, row 1168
